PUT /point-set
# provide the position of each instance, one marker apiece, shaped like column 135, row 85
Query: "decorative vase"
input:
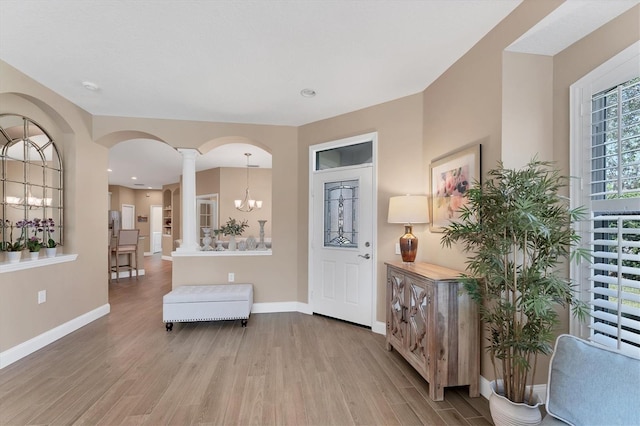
column 206, row 241
column 219, row 246
column 261, row 246
column 51, row 251
column 251, row 243
column 507, row 413
column 14, row 256
column 34, row 255
column 232, row 243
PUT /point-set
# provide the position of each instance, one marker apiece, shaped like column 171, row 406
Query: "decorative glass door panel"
column 419, row 298
column 397, row 307
column 341, row 214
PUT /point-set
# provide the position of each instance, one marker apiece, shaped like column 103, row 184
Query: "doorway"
column 128, row 216
column 156, row 229
column 342, row 217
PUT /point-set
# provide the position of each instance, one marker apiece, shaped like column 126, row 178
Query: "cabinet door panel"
column 396, row 309
column 419, row 296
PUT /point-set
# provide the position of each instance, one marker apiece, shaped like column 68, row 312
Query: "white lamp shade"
column 408, row 209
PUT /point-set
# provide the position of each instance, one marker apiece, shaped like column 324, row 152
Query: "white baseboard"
column 20, row 351
column 539, row 390
column 304, row 308
column 169, row 258
column 127, row 274
column 379, row 327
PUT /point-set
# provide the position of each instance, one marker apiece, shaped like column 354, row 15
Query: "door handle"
column 366, row 256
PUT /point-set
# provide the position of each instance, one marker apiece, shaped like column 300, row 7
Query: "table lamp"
column 408, row 209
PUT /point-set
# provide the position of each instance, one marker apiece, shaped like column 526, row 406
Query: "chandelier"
column 248, row 204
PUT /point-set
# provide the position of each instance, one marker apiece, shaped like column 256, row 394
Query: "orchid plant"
column 49, row 227
column 19, row 244
column 34, row 243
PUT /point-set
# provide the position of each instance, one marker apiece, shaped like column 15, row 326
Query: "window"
column 206, row 214
column 30, row 177
column 608, row 162
column 343, row 156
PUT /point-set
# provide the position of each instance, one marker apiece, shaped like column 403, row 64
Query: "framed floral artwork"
column 451, row 177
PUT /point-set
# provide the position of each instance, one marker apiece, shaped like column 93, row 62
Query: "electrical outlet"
column 397, row 248
column 232, row 277
column 42, row 296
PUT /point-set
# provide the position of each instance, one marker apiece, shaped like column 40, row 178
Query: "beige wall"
column 527, row 108
column 73, row 288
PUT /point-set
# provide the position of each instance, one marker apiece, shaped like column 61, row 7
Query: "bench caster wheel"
column 169, row 326
column 244, row 322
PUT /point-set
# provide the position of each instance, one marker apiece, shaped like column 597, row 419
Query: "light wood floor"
column 284, row 368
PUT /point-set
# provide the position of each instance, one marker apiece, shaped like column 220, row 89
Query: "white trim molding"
column 27, row 263
column 24, row 349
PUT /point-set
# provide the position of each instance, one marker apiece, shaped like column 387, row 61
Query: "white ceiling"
column 247, row 61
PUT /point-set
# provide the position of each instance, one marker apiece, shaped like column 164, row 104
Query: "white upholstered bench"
column 191, row 303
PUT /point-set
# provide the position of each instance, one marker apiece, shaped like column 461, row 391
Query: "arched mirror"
column 31, row 180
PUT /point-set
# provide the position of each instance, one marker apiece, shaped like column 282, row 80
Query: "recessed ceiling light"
column 109, row 170
column 90, row 86
column 308, row 93
column 133, row 178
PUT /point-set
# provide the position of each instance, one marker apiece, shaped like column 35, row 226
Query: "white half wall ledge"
column 27, row 263
column 24, row 349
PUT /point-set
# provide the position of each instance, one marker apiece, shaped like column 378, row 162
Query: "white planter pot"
column 507, row 413
column 232, row 243
column 33, row 255
column 14, row 256
column 51, row 251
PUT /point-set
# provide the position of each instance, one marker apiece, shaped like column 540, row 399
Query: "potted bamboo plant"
column 517, row 228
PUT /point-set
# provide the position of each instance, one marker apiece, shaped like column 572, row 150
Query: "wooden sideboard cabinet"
column 433, row 323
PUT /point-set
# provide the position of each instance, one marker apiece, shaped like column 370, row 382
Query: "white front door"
column 342, row 261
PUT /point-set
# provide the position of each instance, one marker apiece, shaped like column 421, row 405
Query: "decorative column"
column 188, row 217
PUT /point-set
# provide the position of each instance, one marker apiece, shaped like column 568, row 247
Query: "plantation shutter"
column 615, row 217
column 615, row 280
